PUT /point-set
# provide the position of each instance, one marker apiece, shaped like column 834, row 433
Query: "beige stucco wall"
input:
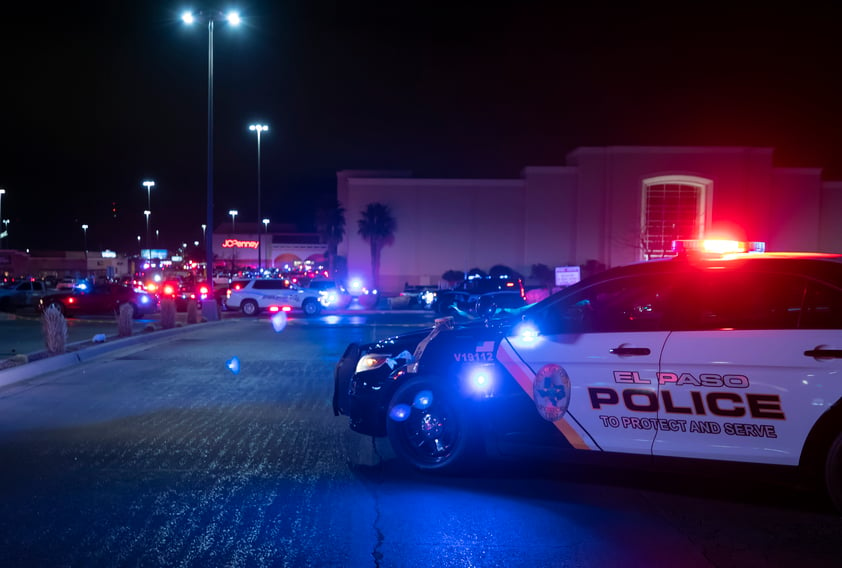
column 587, row 210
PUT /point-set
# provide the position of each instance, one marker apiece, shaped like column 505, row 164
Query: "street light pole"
column 148, row 245
column 148, row 184
column 85, row 239
column 258, row 128
column 2, row 192
column 233, row 213
column 232, row 18
column 266, row 232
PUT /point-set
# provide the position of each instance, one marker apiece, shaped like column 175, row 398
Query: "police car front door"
column 592, row 366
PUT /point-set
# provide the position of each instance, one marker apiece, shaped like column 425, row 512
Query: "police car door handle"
column 820, row 353
column 622, row 350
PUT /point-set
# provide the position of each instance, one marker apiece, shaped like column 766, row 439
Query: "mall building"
column 606, row 206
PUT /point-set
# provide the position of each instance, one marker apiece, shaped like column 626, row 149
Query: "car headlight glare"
column 371, row 361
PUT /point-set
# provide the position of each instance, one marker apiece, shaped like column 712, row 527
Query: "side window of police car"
column 621, row 305
column 270, row 284
column 742, row 300
column 822, row 308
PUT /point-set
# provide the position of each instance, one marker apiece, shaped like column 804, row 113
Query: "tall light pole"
column 233, row 213
column 258, row 128
column 85, row 237
column 2, row 192
column 148, row 184
column 148, row 246
column 266, row 230
column 232, row 18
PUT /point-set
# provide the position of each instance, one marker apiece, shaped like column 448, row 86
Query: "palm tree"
column 377, row 226
column 330, row 223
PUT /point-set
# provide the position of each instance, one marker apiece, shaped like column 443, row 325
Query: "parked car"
column 333, row 294
column 23, row 294
column 464, row 295
column 101, row 299
column 706, row 360
column 273, row 295
column 221, row 292
column 183, row 291
column 414, row 298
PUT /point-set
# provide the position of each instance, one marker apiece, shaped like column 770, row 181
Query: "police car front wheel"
column 429, row 428
column 833, row 473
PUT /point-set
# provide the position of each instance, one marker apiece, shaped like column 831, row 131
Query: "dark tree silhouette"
column 377, row 226
column 544, row 275
column 330, row 224
column 453, row 277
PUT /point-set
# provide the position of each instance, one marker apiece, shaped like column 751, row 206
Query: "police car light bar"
column 717, row 246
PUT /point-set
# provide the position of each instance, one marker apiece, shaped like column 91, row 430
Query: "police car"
column 724, row 358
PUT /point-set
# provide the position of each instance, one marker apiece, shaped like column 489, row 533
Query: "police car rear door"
column 590, row 370
column 747, row 376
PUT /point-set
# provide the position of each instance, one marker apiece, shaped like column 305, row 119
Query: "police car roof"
column 825, row 266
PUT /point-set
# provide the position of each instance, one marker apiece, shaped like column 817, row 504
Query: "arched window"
column 674, row 207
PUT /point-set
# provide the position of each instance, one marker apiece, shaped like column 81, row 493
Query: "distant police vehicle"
column 273, row 295
column 724, row 358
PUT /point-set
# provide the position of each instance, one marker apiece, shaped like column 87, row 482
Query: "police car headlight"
column 371, row 361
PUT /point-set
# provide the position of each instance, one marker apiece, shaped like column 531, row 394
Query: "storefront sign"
column 236, row 243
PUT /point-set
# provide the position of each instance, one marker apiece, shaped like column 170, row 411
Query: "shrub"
column 167, row 313
column 54, row 327
column 125, row 315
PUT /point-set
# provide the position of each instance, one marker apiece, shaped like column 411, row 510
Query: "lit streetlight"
column 258, row 128
column 232, row 18
column 85, row 238
column 5, row 230
column 148, row 245
column 233, row 213
column 148, row 184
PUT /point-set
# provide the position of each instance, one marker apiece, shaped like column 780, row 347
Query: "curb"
column 53, row 363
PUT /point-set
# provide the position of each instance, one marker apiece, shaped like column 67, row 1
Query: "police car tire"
column 342, row 375
column 451, row 449
column 833, row 473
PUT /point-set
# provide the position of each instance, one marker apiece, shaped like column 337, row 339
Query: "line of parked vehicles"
column 308, row 294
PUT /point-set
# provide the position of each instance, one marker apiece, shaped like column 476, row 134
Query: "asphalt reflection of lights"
column 233, row 365
column 279, row 321
column 401, row 412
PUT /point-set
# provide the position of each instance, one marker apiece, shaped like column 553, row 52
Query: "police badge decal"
column 551, row 392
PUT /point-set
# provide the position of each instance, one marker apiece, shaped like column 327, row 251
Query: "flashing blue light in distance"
column 400, row 412
column 423, row 400
column 233, row 364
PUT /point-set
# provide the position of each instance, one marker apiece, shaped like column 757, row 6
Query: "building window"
column 672, row 209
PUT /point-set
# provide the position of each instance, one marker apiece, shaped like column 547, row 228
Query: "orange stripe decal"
column 524, row 376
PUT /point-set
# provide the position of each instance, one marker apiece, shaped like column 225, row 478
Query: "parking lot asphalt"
column 37, row 361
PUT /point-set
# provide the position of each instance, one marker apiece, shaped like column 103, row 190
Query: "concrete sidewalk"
column 34, row 364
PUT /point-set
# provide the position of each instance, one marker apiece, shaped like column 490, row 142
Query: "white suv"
column 274, row 295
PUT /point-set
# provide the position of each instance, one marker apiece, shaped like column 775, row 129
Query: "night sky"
column 97, row 97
